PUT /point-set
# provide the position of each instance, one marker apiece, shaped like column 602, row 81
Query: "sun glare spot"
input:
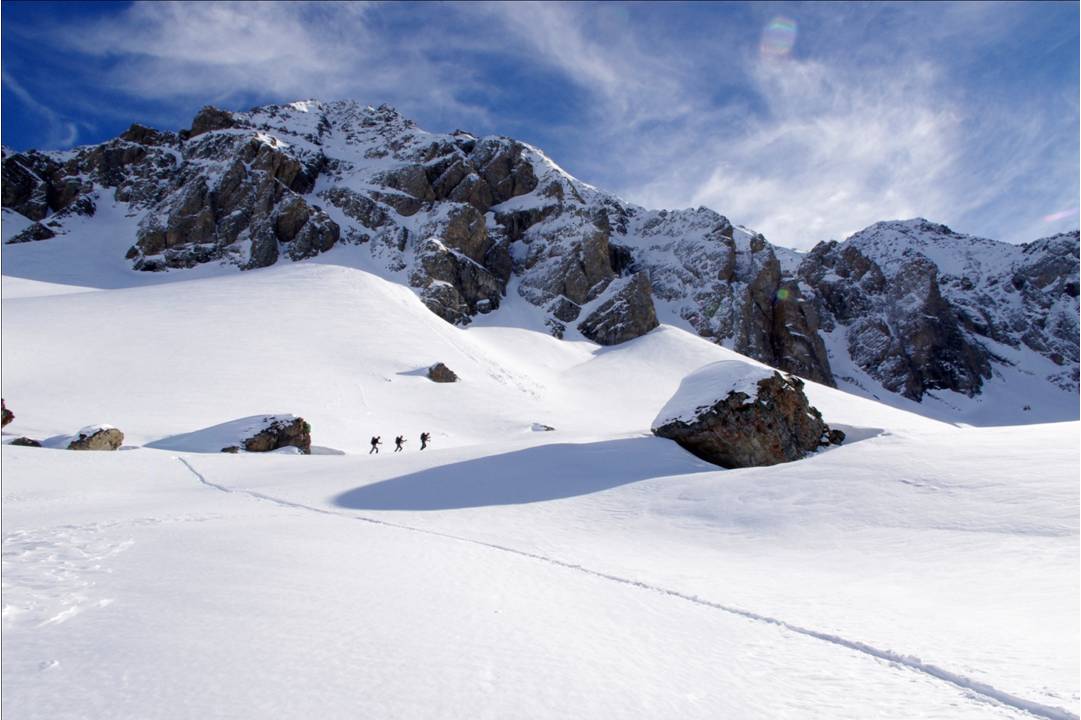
column 778, row 38
column 1062, row 215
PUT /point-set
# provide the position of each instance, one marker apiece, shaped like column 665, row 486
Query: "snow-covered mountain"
column 919, row 307
column 546, row 556
column 908, row 310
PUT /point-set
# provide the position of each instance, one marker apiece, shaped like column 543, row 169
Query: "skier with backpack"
column 398, row 443
column 424, row 439
column 376, row 442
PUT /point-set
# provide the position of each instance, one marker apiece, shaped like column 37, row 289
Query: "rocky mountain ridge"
column 464, row 220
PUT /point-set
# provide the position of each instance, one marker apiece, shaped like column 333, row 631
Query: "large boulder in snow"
column 97, row 437
column 274, row 432
column 733, row 414
column 6, row 415
column 440, row 373
column 628, row 314
column 25, row 442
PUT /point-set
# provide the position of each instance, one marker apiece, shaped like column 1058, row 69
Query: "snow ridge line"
column 907, row 661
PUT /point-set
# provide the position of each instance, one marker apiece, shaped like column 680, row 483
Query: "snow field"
column 591, row 571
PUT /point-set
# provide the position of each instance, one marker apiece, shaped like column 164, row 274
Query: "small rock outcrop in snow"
column 26, row 442
column 737, row 415
column 275, row 432
column 6, row 415
column 97, row 437
column 541, row 427
column 33, row 233
column 440, row 373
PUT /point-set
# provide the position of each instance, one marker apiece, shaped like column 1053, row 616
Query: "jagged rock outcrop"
column 464, row 220
column 25, row 442
column 33, row 233
column 728, row 284
column 628, row 314
column 915, row 304
column 275, row 432
column 209, row 119
column 251, row 214
column 6, row 416
column 440, row 373
column 97, row 437
column 735, row 415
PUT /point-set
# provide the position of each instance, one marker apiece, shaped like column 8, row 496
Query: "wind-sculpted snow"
column 908, row 308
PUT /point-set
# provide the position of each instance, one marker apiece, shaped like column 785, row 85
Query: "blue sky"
column 804, row 121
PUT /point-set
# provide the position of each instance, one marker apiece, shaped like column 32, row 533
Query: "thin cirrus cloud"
column 835, row 139
column 236, row 54
column 806, row 122
column 58, row 132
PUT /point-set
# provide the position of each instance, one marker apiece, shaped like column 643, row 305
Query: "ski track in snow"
column 909, row 662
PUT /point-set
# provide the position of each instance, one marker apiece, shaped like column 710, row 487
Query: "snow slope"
column 920, row 570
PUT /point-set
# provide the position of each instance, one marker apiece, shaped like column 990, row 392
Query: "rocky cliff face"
column 467, row 221
column 919, row 307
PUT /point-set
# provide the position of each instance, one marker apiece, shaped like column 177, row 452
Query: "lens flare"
column 778, row 38
column 1055, row 217
column 783, row 294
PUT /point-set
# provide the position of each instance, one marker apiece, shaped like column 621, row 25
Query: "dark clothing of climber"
column 398, row 443
column 375, row 445
column 424, row 438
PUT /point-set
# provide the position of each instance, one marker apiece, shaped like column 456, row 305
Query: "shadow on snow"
column 547, row 472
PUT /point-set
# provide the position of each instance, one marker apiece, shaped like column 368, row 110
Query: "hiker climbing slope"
column 424, row 439
column 398, row 443
column 376, row 442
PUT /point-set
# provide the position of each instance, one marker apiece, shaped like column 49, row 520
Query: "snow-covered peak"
column 893, row 243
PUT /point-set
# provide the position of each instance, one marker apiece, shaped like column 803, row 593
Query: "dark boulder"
column 25, row 442
column 440, row 373
column 747, row 417
column 277, row 432
column 97, row 437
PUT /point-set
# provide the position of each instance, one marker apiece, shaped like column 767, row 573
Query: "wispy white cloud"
column 232, row 52
column 866, row 123
column 60, row 133
column 879, row 111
